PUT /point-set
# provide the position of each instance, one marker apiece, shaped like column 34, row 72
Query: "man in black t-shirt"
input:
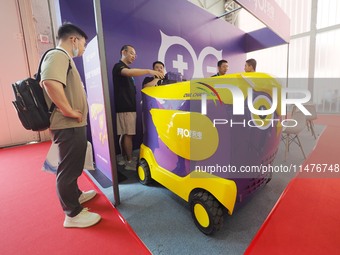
column 222, row 66
column 125, row 101
column 154, row 81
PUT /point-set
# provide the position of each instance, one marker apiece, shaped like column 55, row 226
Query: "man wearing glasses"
column 125, row 101
column 63, row 86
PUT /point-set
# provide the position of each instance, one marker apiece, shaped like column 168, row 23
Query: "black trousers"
column 72, row 143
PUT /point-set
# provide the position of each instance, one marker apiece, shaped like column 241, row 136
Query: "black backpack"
column 30, row 102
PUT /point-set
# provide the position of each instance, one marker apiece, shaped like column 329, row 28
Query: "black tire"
column 206, row 212
column 143, row 172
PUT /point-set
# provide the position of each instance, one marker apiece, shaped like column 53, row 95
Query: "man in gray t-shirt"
column 63, row 86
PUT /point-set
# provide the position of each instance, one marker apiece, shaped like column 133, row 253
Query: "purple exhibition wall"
column 170, row 31
column 84, row 18
column 185, row 37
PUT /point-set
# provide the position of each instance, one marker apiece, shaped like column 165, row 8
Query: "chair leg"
column 307, row 124
column 299, row 143
column 311, row 127
column 287, row 146
column 293, row 110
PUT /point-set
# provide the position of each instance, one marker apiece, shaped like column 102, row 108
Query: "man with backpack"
column 63, row 87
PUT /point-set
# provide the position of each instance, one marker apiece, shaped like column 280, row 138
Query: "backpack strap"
column 38, row 75
column 69, row 60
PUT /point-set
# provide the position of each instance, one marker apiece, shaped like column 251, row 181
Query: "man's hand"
column 55, row 91
column 77, row 115
column 74, row 114
column 157, row 74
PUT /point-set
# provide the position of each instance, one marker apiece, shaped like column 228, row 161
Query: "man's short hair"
column 68, row 29
column 125, row 47
column 219, row 63
column 252, row 62
column 157, row 62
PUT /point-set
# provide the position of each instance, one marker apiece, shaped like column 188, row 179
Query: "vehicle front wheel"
column 143, row 172
column 207, row 212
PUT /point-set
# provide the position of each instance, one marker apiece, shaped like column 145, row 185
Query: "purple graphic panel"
column 94, row 87
column 185, row 37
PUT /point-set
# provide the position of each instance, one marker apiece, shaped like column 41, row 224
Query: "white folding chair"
column 291, row 131
column 309, row 118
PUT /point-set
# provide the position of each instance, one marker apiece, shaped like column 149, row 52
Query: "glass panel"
column 328, row 13
column 299, row 57
column 327, row 54
column 327, row 72
column 299, row 13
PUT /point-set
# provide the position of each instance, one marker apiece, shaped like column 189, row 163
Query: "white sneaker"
column 83, row 220
column 131, row 165
column 87, row 195
column 120, row 160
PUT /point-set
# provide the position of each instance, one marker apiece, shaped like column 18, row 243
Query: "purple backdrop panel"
column 270, row 13
column 97, row 114
column 185, row 37
column 80, row 13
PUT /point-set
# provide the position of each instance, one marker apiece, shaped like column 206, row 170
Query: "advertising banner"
column 94, row 89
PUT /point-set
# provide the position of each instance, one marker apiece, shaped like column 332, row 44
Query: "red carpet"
column 31, row 219
column 306, row 218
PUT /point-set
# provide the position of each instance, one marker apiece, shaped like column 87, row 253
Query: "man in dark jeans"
column 63, row 86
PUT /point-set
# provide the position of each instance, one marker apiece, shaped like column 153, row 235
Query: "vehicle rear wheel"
column 143, row 172
column 207, row 212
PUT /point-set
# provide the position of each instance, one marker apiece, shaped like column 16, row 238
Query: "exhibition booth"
column 186, row 38
column 204, row 145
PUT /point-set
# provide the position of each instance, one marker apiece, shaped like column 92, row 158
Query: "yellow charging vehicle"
column 211, row 141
